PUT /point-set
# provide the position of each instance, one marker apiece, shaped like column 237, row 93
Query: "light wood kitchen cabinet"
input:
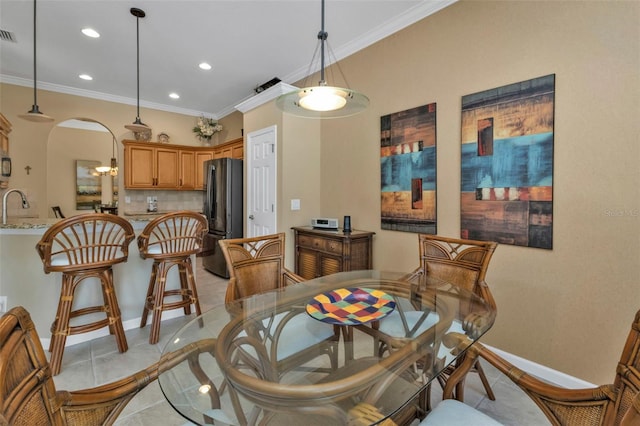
column 5, row 129
column 201, row 157
column 187, row 169
column 151, row 165
column 231, row 149
column 323, row 252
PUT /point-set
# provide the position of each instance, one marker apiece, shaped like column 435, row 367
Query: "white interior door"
column 261, row 182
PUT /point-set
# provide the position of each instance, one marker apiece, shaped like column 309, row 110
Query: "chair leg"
column 191, row 280
column 105, row 299
column 485, row 381
column 185, row 286
column 113, row 310
column 60, row 326
column 427, row 402
column 149, row 298
column 158, row 301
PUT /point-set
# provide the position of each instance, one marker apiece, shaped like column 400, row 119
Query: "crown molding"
column 266, row 96
column 43, row 85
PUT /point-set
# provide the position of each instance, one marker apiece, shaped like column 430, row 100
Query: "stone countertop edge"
column 33, row 226
column 37, row 226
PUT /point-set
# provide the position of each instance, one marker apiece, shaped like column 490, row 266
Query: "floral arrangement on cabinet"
column 205, row 129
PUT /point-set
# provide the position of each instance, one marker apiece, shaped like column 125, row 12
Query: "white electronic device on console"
column 324, row 223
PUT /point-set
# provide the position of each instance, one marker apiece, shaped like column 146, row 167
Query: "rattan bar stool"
column 170, row 240
column 85, row 246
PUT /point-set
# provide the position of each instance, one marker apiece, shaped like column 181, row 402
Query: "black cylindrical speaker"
column 346, row 225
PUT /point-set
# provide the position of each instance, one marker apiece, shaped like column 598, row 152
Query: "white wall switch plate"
column 127, row 199
column 295, row 204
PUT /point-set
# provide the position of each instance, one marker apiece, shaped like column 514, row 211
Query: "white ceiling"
column 248, row 42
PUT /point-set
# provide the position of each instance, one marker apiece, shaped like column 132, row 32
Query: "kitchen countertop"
column 37, row 226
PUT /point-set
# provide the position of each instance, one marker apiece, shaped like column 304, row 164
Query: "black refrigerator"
column 223, row 204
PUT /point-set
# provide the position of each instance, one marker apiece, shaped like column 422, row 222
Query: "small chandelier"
column 323, row 101
column 109, row 170
column 140, row 130
column 34, row 114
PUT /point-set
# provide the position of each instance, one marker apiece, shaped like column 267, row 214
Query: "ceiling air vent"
column 7, row 36
column 265, row 86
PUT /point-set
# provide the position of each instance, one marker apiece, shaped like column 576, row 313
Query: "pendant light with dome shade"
column 323, row 101
column 140, row 130
column 35, row 114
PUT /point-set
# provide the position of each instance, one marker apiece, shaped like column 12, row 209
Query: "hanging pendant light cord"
column 138, row 68
column 35, row 75
column 323, row 101
column 138, row 127
column 322, row 36
column 34, row 113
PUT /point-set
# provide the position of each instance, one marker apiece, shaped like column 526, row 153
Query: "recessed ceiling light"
column 174, row 96
column 85, row 77
column 90, row 32
column 205, row 66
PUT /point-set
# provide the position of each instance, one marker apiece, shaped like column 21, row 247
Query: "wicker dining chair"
column 170, row 240
column 57, row 211
column 605, row 405
column 461, row 262
column 85, row 246
column 256, row 265
column 28, row 396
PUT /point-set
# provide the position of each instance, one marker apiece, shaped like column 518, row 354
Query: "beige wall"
column 568, row 308
column 231, row 126
column 299, row 166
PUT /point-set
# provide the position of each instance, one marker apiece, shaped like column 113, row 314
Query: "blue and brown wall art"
column 408, row 170
column 507, row 164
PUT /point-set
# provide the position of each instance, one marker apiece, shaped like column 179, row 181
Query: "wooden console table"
column 322, row 252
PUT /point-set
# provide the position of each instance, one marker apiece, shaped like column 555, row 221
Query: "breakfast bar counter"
column 24, row 283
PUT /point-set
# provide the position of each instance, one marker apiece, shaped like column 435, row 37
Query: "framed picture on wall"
column 6, row 166
column 408, row 170
column 507, row 164
column 88, row 184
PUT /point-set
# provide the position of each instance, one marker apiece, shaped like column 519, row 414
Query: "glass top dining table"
column 348, row 348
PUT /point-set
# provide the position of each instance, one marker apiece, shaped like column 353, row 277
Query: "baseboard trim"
column 542, row 372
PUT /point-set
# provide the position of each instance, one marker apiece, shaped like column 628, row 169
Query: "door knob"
column 251, row 217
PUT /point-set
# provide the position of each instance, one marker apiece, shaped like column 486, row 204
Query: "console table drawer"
column 333, row 246
column 311, row 242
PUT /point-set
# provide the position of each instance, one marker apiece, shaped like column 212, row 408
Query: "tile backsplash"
column 167, row 201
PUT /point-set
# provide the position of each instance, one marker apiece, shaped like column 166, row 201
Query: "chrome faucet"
column 25, row 203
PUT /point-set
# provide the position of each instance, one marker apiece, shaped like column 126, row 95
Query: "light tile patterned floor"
column 93, row 363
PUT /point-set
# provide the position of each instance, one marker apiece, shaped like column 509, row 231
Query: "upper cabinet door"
column 187, row 170
column 201, row 157
column 139, row 166
column 167, row 167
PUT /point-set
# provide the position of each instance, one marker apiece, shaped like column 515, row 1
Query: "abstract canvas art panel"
column 408, row 170
column 507, row 164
